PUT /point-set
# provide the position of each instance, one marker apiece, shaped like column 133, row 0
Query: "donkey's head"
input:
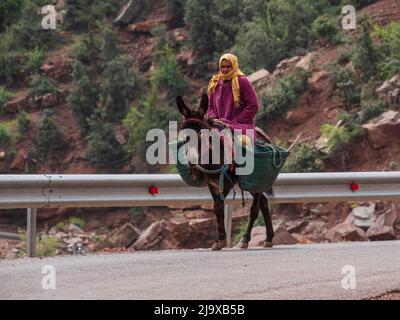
column 196, row 120
column 193, row 119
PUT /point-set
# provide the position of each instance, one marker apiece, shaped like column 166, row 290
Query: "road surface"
column 284, row 272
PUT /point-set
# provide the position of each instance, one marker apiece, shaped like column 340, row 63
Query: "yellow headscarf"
column 233, row 75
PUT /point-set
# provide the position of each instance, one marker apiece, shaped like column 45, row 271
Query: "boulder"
column 286, row 66
column 151, row 237
column 382, row 129
column 262, row 81
column 297, row 116
column 124, row 236
column 258, row 236
column 62, row 95
column 385, row 227
column 179, row 225
column 301, row 238
column 19, row 161
column 129, row 11
column 58, row 68
column 180, row 35
column 346, row 231
column 145, row 26
column 307, row 62
column 17, row 104
column 389, row 91
column 49, row 100
column 202, row 223
column 316, row 83
column 364, row 216
column 282, row 237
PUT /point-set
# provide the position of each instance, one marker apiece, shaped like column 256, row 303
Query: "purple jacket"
column 221, row 106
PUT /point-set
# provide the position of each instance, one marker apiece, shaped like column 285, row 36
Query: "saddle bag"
column 183, row 169
column 268, row 162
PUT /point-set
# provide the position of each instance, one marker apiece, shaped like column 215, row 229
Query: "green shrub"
column 167, row 74
column 372, row 106
column 4, row 135
column 88, row 14
column 304, row 158
column 344, row 56
column 149, row 114
column 28, row 30
column 83, row 99
column 118, row 88
column 197, row 12
column 325, row 27
column 23, row 122
column 365, row 56
column 9, row 67
column 390, row 48
column 35, row 59
column 344, row 80
column 41, row 85
column 9, row 12
column 286, row 95
column 46, row 246
column 279, row 31
column 104, row 150
column 79, row 222
column 87, row 51
column 49, row 136
column 109, row 49
column 5, row 96
column 339, row 137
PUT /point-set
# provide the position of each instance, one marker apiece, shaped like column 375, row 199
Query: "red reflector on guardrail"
column 354, row 187
column 153, row 190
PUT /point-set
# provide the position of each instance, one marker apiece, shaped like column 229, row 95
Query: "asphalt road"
column 284, row 272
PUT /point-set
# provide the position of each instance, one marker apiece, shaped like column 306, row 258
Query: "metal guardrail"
column 56, row 191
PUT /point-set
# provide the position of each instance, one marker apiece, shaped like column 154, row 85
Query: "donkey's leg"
column 255, row 208
column 219, row 213
column 219, row 209
column 268, row 222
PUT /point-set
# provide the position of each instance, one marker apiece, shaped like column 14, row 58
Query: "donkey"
column 196, row 120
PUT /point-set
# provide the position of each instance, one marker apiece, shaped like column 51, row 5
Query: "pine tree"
column 197, row 18
column 103, row 148
column 49, row 137
column 365, row 56
column 118, row 87
column 110, row 49
column 83, row 100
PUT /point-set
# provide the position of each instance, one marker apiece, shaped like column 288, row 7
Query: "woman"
column 232, row 98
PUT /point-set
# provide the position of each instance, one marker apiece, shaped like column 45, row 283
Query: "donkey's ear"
column 182, row 107
column 203, row 104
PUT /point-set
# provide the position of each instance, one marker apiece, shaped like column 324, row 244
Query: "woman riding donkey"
column 231, row 103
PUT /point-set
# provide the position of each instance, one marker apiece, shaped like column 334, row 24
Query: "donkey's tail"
column 270, row 194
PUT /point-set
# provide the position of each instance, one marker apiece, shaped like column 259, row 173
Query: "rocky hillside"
column 341, row 131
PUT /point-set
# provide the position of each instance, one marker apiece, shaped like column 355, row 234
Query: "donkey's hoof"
column 267, row 244
column 218, row 245
column 244, row 245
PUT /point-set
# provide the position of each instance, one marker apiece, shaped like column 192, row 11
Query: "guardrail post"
column 31, row 232
column 228, row 223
